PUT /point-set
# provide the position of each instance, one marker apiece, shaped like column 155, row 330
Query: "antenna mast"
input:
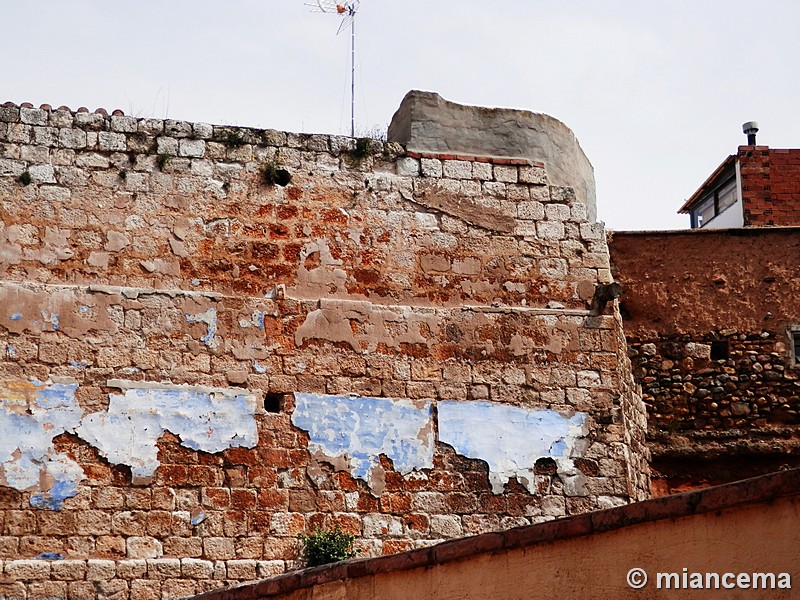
column 347, row 10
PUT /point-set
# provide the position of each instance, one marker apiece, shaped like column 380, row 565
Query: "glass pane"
column 726, row 196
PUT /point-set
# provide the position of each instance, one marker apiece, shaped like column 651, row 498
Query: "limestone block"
column 191, row 148
column 99, row 570
column 27, row 570
column 143, row 547
column 42, row 173
column 111, row 142
column 124, row 124
column 33, row 116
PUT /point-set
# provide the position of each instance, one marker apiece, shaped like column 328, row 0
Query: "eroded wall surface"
column 707, row 316
column 214, row 363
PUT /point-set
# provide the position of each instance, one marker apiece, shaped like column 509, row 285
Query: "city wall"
column 213, row 339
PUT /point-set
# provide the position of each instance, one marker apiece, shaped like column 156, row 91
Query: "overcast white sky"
column 656, row 92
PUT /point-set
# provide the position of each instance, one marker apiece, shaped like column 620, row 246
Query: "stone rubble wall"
column 154, row 251
column 708, row 316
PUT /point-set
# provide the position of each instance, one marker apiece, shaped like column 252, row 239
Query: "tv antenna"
column 346, row 10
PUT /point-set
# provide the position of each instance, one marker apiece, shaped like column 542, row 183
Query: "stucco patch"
column 351, row 433
column 511, row 438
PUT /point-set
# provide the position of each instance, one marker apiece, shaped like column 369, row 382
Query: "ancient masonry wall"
column 200, row 359
column 708, row 316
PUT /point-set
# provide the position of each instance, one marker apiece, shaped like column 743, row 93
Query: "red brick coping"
column 747, row 491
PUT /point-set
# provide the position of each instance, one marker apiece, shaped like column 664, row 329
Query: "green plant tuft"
column 235, row 138
column 25, row 178
column 363, row 148
column 163, row 160
column 326, row 546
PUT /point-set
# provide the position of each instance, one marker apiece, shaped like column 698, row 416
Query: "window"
column 794, row 338
column 715, row 202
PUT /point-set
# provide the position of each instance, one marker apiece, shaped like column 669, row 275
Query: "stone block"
column 242, row 570
column 192, row 148
column 99, row 570
column 27, row 570
column 112, row 142
column 68, row 570
column 144, row 547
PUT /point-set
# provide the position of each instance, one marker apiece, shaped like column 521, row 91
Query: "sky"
column 656, row 92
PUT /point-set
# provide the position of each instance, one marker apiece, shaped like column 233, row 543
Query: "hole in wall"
column 720, row 350
column 273, row 402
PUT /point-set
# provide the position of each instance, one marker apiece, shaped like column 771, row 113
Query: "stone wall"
column 707, row 317
column 213, row 339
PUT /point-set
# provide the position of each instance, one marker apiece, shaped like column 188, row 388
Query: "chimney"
column 750, row 129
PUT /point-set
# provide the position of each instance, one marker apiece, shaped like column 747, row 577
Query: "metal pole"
column 353, row 77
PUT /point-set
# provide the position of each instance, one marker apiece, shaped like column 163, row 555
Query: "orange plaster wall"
column 753, row 538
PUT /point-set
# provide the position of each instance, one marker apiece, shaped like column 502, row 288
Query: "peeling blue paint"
column 259, row 368
column 258, row 319
column 16, row 316
column 198, row 515
column 511, row 438
column 78, row 365
column 210, row 319
column 84, row 309
column 51, row 319
column 31, row 415
column 206, row 419
column 50, row 556
column 356, row 431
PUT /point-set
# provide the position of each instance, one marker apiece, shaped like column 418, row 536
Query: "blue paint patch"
column 197, row 517
column 258, row 319
column 77, row 365
column 16, row 316
column 210, row 319
column 259, row 368
column 27, row 455
column 511, row 438
column 84, row 309
column 358, row 430
column 54, row 499
column 50, row 556
column 207, row 420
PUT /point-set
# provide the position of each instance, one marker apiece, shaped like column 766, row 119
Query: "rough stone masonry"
column 215, row 338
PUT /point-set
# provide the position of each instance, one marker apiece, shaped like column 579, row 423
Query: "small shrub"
column 234, row 139
column 25, row 178
column 363, row 148
column 325, row 546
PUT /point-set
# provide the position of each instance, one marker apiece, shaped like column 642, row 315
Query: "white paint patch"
column 511, row 439
column 354, row 432
column 208, row 419
column 31, row 415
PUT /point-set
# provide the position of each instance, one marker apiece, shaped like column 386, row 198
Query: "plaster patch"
column 376, row 325
column 351, row 434
column 511, row 439
column 210, row 319
column 207, row 419
column 31, row 415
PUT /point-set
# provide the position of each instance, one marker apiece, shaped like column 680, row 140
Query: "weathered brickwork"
column 149, row 263
column 770, row 185
column 708, row 316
